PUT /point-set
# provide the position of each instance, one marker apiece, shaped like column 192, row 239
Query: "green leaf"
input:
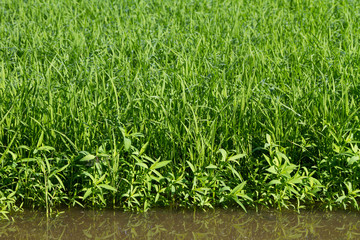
column 223, row 153
column 157, row 179
column 340, row 199
column 13, row 155
column 23, row 147
column 143, row 148
column 193, row 169
column 157, row 197
column 87, row 157
column 87, row 193
column 103, row 155
column 295, row 180
column 59, row 170
column 336, row 148
column 41, row 165
column 60, row 182
column 274, row 182
column 272, row 170
column 157, row 165
column 89, row 175
column 149, row 159
column 353, row 159
column 236, row 199
column 127, row 143
column 8, row 148
column 281, row 155
column 238, row 188
column 236, row 157
column 211, row 166
column 11, row 194
column 28, row 160
column 108, row 187
column 236, row 173
column 293, row 190
column 268, row 139
column 100, row 179
column 40, row 139
column 225, row 188
column 46, row 148
column 141, row 164
column 157, row 173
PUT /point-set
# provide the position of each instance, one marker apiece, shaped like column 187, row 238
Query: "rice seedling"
column 136, row 104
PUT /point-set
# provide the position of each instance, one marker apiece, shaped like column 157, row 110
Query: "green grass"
column 137, row 104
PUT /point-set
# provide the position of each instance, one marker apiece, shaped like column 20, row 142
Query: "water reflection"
column 170, row 224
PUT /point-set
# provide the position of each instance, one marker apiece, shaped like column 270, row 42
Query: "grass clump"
column 135, row 104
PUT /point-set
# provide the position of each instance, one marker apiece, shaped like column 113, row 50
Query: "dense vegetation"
column 135, row 104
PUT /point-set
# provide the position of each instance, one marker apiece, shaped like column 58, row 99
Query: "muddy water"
column 169, row 224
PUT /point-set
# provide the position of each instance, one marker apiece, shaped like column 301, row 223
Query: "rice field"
column 138, row 104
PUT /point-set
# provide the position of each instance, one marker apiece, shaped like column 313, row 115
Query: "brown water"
column 168, row 224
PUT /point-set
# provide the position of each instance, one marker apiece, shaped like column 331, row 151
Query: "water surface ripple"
column 171, row 224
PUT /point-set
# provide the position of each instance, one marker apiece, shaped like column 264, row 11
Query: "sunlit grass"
column 186, row 103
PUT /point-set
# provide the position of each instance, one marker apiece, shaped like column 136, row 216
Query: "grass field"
column 137, row 104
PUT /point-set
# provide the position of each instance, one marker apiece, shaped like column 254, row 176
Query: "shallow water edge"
column 180, row 224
